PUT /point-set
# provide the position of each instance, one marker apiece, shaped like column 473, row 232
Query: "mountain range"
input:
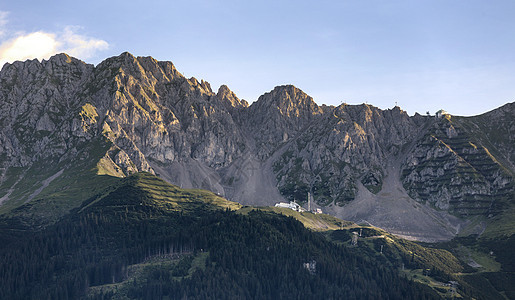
column 68, row 128
column 127, row 180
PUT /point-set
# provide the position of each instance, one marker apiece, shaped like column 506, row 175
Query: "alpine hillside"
column 69, row 129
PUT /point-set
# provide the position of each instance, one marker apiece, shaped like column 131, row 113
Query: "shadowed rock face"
column 131, row 114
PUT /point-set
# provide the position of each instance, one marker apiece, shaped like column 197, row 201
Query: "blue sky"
column 422, row 55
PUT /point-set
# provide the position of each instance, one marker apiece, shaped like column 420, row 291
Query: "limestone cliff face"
column 347, row 146
column 35, row 111
column 122, row 116
column 62, row 118
column 151, row 112
column 278, row 116
column 452, row 168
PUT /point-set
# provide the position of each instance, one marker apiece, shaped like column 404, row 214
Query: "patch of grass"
column 374, row 189
column 166, row 194
column 13, row 175
column 28, row 180
column 198, row 263
column 373, row 181
column 161, row 195
column 173, row 267
column 89, row 111
column 76, row 183
column 316, row 222
column 502, row 224
column 106, row 166
column 418, row 275
column 471, row 254
column 487, row 262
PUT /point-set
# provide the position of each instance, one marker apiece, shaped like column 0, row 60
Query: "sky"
column 457, row 55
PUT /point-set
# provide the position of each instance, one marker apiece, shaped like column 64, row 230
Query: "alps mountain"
column 68, row 128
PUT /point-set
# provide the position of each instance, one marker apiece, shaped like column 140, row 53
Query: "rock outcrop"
column 63, row 120
column 452, row 168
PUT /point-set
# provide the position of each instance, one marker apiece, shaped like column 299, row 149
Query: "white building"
column 441, row 113
column 292, row 205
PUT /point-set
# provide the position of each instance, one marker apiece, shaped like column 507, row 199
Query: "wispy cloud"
column 79, row 45
column 3, row 22
column 42, row 44
column 38, row 45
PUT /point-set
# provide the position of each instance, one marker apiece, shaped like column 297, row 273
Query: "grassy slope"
column 317, row 222
column 76, row 183
column 167, row 197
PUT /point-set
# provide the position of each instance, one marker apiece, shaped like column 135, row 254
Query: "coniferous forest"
column 122, row 246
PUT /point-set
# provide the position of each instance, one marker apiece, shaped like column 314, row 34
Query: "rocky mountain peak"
column 145, row 69
column 125, row 57
column 131, row 114
column 286, row 104
column 290, row 101
column 229, row 98
column 279, row 115
column 507, row 110
column 62, row 59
